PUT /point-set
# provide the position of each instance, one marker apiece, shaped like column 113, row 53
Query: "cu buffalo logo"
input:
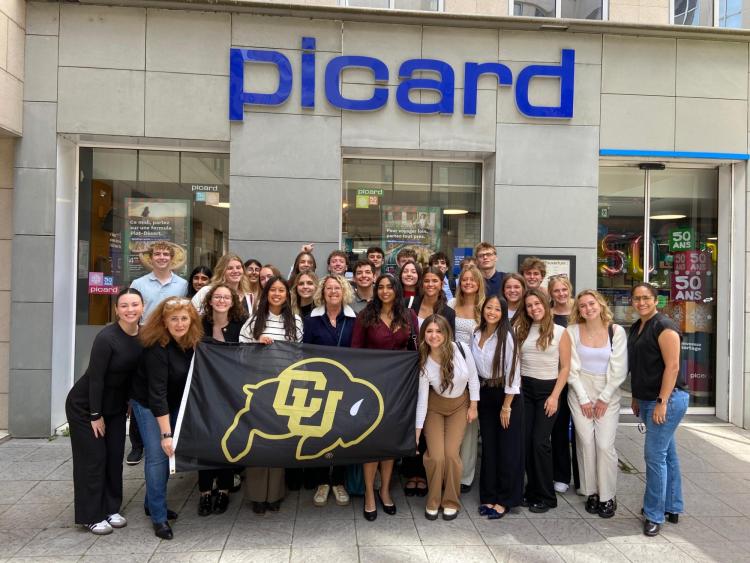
column 317, row 406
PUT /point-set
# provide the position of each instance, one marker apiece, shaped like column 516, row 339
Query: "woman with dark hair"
column 513, row 288
column 304, row 262
column 252, row 273
column 169, row 338
column 273, row 320
column 660, row 400
column 96, row 408
column 223, row 317
column 303, row 293
column 409, row 276
column 500, row 411
column 447, row 401
column 545, row 362
column 267, row 272
column 384, row 324
column 331, row 323
column 199, row 277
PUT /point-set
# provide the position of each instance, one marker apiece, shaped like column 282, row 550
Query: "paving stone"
column 733, row 528
column 507, row 531
column 690, row 530
column 715, row 552
column 454, row 532
column 12, row 540
column 386, row 531
column 324, row 555
column 59, row 541
column 30, row 515
column 64, row 472
column 464, row 553
column 628, row 530
column 115, row 558
column 566, row 531
column 324, row 533
column 49, row 492
column 13, row 491
column 526, row 553
column 648, row 553
column 130, row 541
column 263, row 555
column 210, row 536
column 590, row 553
column 16, row 453
column 27, row 470
column 260, row 533
column 392, row 554
column 188, row 557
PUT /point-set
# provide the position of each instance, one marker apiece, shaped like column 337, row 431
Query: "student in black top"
column 199, row 278
column 96, row 408
column 223, row 317
column 331, row 323
column 661, row 402
column 169, row 337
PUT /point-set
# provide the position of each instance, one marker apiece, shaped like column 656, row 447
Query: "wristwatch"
column 659, row 400
column 166, row 435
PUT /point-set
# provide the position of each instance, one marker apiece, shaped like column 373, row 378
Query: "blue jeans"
column 663, row 480
column 156, row 464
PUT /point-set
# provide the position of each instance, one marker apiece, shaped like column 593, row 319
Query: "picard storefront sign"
column 445, row 85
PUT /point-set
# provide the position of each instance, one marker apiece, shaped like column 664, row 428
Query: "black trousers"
column 563, row 442
column 97, row 466
column 501, row 470
column 224, row 479
column 537, row 441
column 335, row 475
column 413, row 466
column 136, row 442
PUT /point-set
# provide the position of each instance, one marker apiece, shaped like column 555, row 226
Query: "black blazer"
column 446, row 312
column 231, row 331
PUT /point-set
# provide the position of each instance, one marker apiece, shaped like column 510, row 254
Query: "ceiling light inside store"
column 668, row 216
column 455, row 211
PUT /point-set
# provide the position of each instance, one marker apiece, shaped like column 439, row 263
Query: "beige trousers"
column 444, row 428
column 264, row 484
column 595, row 439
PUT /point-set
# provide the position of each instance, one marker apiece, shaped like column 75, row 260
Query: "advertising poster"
column 149, row 220
column 691, row 276
column 409, row 225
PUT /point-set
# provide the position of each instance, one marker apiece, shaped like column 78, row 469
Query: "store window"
column 694, row 12
column 660, row 226
column 129, row 198
column 428, row 206
column 574, row 9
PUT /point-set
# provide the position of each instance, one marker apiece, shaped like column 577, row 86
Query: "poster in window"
column 149, row 220
column 413, row 226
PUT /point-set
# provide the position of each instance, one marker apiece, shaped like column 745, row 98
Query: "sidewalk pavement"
column 36, row 517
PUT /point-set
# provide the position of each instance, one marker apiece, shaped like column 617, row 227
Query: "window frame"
column 558, row 9
column 714, row 19
column 392, row 6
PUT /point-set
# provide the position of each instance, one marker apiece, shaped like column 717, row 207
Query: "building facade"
column 616, row 151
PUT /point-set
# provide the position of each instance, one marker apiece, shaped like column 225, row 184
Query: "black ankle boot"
column 204, row 505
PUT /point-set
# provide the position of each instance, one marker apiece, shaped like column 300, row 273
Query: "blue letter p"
column 237, row 95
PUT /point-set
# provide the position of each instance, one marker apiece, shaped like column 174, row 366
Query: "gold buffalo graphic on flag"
column 287, row 405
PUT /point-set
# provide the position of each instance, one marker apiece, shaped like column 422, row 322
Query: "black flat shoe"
column 370, row 515
column 650, row 528
column 410, row 491
column 592, row 504
column 431, row 516
column 607, row 509
column 221, row 503
column 538, row 507
column 389, row 509
column 204, row 505
column 274, row 506
column 672, row 517
column 422, row 491
column 171, row 514
column 163, row 531
column 525, row 502
column 259, row 507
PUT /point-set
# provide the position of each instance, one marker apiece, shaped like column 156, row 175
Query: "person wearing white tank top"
column 545, row 361
column 598, row 366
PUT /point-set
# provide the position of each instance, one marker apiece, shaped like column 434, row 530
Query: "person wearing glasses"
column 563, row 440
column 598, row 366
column 486, row 256
column 223, row 317
column 545, row 362
column 331, row 323
column 169, row 338
column 660, row 400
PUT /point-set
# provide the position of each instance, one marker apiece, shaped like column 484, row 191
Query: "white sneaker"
column 117, row 520
column 561, row 487
column 341, row 496
column 320, row 498
column 100, row 528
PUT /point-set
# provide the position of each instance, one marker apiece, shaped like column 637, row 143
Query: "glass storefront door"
column 129, row 198
column 661, row 226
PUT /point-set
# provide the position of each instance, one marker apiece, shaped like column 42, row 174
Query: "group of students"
column 502, row 357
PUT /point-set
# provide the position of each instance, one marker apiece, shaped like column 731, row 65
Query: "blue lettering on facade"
column 444, row 86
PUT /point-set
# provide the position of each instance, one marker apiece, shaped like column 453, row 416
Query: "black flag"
column 287, row 405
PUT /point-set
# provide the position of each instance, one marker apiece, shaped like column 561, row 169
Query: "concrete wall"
column 639, row 11
column 7, row 152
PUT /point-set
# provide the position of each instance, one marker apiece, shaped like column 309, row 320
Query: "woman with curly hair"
column 384, row 324
column 545, row 362
column 273, row 320
column 468, row 306
column 169, row 338
column 447, row 401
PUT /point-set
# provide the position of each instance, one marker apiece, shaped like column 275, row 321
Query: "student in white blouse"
column 500, row 411
column 447, row 401
column 598, row 366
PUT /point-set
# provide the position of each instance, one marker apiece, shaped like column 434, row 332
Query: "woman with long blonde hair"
column 447, row 401
column 468, row 306
column 545, row 362
column 169, row 337
column 229, row 270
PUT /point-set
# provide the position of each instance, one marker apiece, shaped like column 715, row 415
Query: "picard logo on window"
column 411, row 80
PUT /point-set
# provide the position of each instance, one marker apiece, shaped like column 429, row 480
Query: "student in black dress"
column 169, row 337
column 223, row 317
column 96, row 408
